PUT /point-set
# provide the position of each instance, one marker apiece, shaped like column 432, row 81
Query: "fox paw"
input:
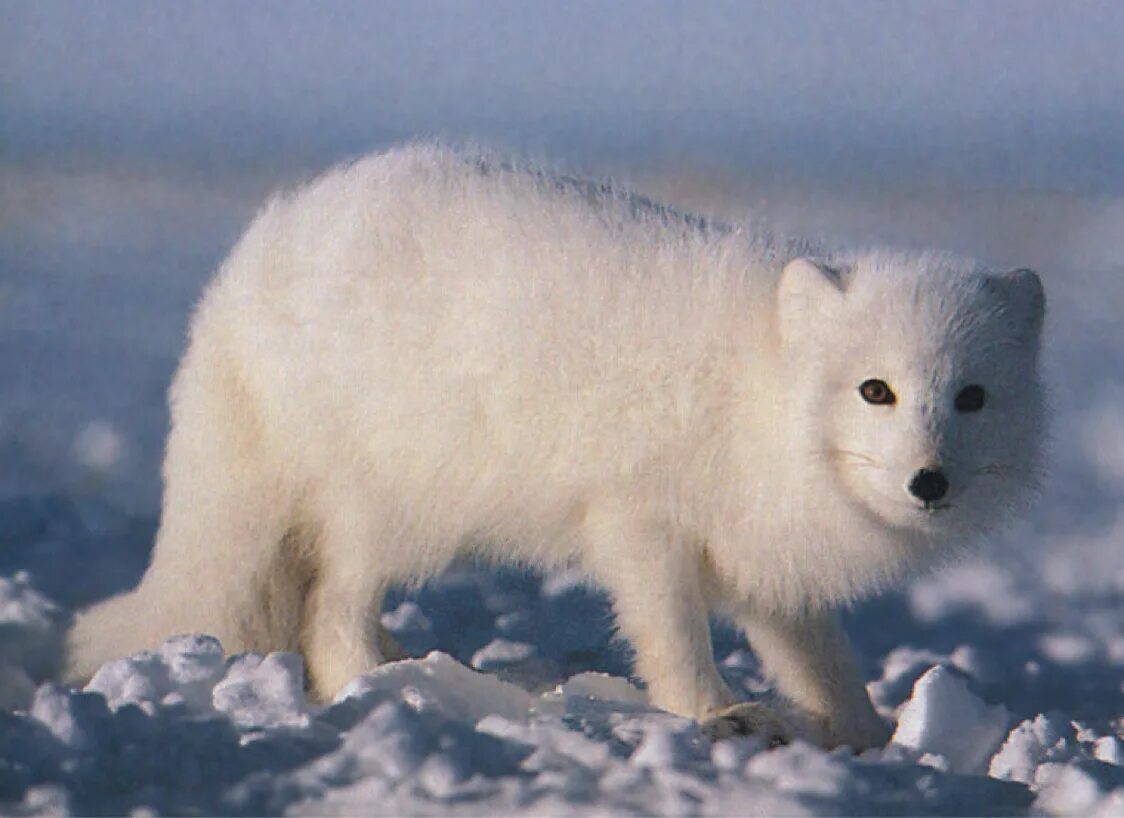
column 748, row 719
column 389, row 647
column 859, row 736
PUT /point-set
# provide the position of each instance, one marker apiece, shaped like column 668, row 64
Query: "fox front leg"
column 810, row 658
column 654, row 582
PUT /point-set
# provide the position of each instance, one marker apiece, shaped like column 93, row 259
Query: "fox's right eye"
column 877, row 392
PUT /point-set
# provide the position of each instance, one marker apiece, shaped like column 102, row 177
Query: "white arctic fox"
column 429, row 353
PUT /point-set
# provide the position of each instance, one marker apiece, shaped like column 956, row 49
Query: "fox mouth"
column 933, row 508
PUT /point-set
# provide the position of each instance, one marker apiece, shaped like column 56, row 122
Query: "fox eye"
column 970, row 398
column 877, row 392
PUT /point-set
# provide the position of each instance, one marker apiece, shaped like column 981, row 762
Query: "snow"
column 948, row 726
column 1046, row 738
column 122, row 188
column 29, row 638
column 186, row 728
column 501, row 652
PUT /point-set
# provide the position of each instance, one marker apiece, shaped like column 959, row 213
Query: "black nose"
column 929, row 485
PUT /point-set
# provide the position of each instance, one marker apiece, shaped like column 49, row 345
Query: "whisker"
column 863, row 464
column 994, row 470
column 855, row 458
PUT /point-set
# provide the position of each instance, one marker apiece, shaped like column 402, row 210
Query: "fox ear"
column 808, row 290
column 1022, row 296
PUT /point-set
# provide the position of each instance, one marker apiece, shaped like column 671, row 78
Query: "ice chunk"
column 194, row 664
column 1110, row 750
column 184, row 670
column 264, row 691
column 141, row 679
column 943, row 717
column 1048, row 737
column 441, row 682
column 590, row 693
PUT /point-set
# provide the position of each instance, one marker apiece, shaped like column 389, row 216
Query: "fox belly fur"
column 428, row 353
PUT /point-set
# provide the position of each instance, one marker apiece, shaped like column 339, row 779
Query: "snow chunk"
column 77, row 720
column 388, row 740
column 1049, row 737
column 801, row 768
column 264, row 691
column 194, row 665
column 45, row 800
column 442, row 683
column 98, row 446
column 1046, row 754
column 184, row 671
column 676, row 744
column 943, row 717
column 500, row 653
column 901, row 668
column 592, row 693
column 972, row 586
column 1079, row 788
column 27, row 619
column 563, row 581
column 561, row 752
column 1101, row 432
column 406, row 617
column 16, row 688
column 30, row 639
column 731, row 754
column 1067, row 648
column 141, row 679
column 411, row 627
column 1109, row 749
column 1111, row 806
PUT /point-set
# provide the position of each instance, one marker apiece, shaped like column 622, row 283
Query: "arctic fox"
column 428, row 353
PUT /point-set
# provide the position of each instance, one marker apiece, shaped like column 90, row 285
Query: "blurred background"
column 137, row 139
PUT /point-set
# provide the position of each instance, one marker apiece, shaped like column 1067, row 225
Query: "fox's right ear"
column 809, row 290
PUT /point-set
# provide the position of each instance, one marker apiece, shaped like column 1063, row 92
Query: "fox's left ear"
column 1023, row 297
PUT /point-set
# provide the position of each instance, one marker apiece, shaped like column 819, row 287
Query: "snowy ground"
column 1005, row 675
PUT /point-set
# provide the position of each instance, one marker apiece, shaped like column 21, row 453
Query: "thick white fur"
column 428, row 352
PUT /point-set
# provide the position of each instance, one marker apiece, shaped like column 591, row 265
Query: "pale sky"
column 1021, row 89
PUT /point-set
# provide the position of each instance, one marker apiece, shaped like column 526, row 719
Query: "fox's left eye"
column 970, row 398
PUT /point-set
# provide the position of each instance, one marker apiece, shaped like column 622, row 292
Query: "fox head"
column 917, row 385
